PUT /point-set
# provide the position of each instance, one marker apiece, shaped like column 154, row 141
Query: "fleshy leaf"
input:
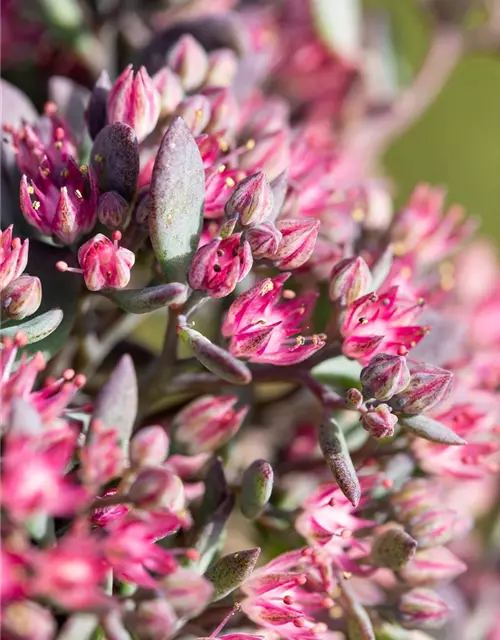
column 37, row 328
column 430, row 429
column 336, row 454
column 177, row 196
column 340, row 372
column 115, row 159
column 228, row 573
column 149, row 298
column 71, row 99
column 116, row 404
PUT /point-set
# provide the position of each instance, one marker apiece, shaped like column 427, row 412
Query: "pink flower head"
column 381, row 323
column 102, row 458
column 130, row 548
column 71, row 573
column 33, row 480
column 104, row 264
column 208, row 422
column 135, row 101
column 262, row 330
column 219, row 185
column 218, row 266
column 62, row 204
column 13, row 257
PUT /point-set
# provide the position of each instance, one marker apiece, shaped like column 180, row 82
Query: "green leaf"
column 177, row 196
column 338, row 25
column 340, row 373
column 38, row 328
column 228, row 573
column 430, row 429
column 150, row 298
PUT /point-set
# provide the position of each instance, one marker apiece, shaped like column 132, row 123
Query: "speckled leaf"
column 116, row 404
column 430, row 429
column 228, row 573
column 336, row 454
column 115, row 158
column 177, row 196
column 149, row 298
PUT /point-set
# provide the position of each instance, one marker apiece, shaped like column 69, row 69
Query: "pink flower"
column 104, row 264
column 219, row 184
column 262, row 330
column 13, row 257
column 33, row 480
column 208, row 422
column 219, row 265
column 102, row 458
column 71, row 573
column 379, row 422
column 61, row 203
column 134, row 100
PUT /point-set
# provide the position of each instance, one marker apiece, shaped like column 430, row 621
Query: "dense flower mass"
column 268, row 407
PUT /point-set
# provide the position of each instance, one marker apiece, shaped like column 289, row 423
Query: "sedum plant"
column 298, row 459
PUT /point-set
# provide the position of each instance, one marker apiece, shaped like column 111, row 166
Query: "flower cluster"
column 327, row 383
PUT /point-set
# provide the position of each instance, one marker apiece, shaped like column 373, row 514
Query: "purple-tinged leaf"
column 97, row 108
column 177, row 196
column 116, row 404
column 36, row 328
column 149, row 298
column 115, row 159
column 336, row 454
column 228, row 573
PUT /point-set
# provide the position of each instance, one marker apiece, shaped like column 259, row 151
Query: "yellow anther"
column 36, row 205
column 31, row 190
column 84, row 168
column 358, row 215
column 98, row 157
column 78, row 194
column 230, row 182
column 250, row 144
column 222, row 168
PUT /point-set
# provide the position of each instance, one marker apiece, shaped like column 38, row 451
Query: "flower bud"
column 353, row 399
column 208, row 423
column 428, row 387
column 169, row 87
column 379, row 422
column 222, row 68
column 149, row 447
column 422, row 609
column 218, row 266
column 189, row 61
column 228, row 573
column 416, row 496
column 152, row 620
column 26, row 620
column 297, row 243
column 217, row 360
column 195, row 111
column 224, row 110
column 157, row 487
column 431, row 566
column 21, row 298
column 264, row 240
column 13, row 257
column 434, row 527
column 384, row 376
column 350, row 279
column 112, row 210
column 393, row 548
column 135, row 101
column 256, row 488
column 252, row 200
column 270, row 154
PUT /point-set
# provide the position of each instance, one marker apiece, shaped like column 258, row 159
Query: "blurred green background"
column 457, row 142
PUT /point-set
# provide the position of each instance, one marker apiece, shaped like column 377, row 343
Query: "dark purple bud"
column 112, row 210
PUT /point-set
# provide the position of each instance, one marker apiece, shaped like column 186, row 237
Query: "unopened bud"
column 112, row 210
column 222, row 68
column 353, row 399
column 297, row 243
column 157, row 487
column 256, row 488
column 208, row 423
column 217, row 360
column 189, row 61
column 169, row 87
column 416, row 496
column 149, row 447
column 152, row 620
column 385, row 376
column 434, row 527
column 252, row 200
column 393, row 548
column 422, row 609
column 431, row 566
column 195, row 111
column 428, row 387
column 21, row 298
column 228, row 573
column 264, row 240
column 379, row 422
column 135, row 101
column 350, row 279
column 224, row 111
column 270, row 154
column 26, row 620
